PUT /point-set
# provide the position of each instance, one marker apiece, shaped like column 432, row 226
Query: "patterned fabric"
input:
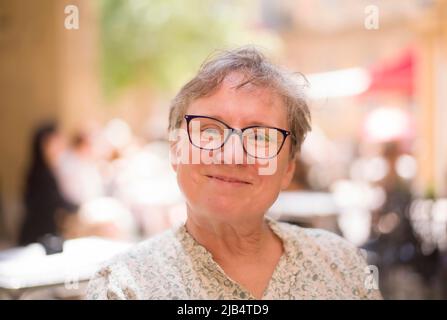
column 316, row 264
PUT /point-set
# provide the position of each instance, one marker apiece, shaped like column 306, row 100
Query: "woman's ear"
column 173, row 155
column 288, row 175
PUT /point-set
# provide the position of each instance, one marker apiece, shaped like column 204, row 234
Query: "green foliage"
column 161, row 43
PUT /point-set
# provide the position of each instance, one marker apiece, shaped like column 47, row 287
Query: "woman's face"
column 53, row 147
column 236, row 192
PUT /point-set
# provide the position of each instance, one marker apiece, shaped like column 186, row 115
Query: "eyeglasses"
column 260, row 142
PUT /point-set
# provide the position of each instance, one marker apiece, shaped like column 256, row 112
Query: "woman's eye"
column 211, row 131
column 261, row 137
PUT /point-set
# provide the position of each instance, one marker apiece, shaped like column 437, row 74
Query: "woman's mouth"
column 226, row 179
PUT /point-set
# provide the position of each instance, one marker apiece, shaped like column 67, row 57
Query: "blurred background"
column 84, row 93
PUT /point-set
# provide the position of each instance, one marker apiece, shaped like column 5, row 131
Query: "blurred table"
column 307, row 209
column 25, row 271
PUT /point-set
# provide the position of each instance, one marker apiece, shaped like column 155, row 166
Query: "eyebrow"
column 251, row 123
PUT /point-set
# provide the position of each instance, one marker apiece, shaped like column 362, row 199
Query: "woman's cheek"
column 189, row 181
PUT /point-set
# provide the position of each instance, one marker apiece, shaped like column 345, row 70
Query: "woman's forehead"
column 251, row 105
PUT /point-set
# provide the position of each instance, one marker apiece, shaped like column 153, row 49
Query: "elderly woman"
column 243, row 120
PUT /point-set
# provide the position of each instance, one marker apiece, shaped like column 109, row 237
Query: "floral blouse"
column 316, row 264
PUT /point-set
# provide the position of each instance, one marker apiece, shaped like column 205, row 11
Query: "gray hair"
column 257, row 70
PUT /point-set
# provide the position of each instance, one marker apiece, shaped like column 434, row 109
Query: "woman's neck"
column 241, row 239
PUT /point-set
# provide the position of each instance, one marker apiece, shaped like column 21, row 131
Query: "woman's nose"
column 233, row 150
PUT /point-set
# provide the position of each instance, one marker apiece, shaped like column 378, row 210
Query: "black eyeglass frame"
column 239, row 132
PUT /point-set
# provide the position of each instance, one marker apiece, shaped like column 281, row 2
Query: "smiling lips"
column 228, row 179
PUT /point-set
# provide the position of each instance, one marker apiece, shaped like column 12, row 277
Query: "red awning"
column 394, row 76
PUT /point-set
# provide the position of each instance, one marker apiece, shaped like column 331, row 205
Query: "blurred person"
column 397, row 197
column 78, row 172
column 87, row 179
column 44, row 202
column 397, row 247
column 228, row 249
column 146, row 184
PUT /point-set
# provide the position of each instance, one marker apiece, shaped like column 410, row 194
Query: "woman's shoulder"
column 127, row 273
column 329, row 256
column 322, row 244
column 313, row 236
column 153, row 249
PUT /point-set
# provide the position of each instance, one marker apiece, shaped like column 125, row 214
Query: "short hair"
column 256, row 70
